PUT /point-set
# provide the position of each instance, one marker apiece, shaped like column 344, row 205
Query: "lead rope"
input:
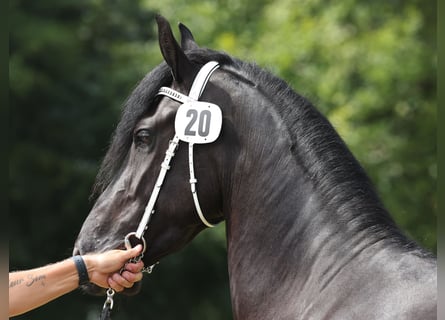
column 195, row 92
column 108, row 305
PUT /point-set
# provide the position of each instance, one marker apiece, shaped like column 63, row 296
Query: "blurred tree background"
column 369, row 66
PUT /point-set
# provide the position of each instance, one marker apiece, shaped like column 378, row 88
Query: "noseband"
column 208, row 119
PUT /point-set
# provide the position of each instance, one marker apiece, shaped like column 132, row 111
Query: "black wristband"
column 81, row 270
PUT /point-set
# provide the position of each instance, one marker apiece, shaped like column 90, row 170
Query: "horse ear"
column 187, row 40
column 171, row 51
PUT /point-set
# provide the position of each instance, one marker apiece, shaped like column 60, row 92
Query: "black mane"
column 316, row 145
column 342, row 182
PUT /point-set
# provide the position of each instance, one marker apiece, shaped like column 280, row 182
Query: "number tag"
column 198, row 122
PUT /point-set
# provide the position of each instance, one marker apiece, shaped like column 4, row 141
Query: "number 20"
column 204, row 117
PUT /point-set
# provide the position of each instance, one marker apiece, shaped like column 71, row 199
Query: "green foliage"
column 369, row 66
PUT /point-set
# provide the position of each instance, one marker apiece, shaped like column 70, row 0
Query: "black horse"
column 307, row 236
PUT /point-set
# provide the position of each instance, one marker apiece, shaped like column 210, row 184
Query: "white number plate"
column 198, row 122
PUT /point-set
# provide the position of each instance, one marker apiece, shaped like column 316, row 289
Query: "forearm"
column 32, row 288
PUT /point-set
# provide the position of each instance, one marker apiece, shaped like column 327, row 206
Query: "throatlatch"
column 196, row 122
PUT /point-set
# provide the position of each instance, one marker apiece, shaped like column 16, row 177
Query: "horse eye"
column 143, row 138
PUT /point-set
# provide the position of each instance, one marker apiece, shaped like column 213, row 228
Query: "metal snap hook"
column 109, row 302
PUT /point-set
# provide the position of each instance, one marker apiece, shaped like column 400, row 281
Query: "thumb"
column 133, row 252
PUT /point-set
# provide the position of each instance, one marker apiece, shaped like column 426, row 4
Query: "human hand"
column 103, row 268
column 131, row 274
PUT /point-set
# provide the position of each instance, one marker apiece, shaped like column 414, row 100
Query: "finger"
column 132, row 277
column 120, row 280
column 114, row 285
column 134, row 267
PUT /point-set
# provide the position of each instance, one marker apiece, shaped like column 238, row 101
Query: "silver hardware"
column 149, row 269
column 109, row 301
column 128, row 243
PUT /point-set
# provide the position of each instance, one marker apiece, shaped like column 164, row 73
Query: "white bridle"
column 196, row 90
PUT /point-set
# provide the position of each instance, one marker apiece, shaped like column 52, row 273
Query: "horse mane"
column 315, row 143
column 344, row 187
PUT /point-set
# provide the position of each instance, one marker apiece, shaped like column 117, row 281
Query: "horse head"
column 130, row 171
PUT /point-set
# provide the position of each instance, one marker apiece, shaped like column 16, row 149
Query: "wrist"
column 82, row 270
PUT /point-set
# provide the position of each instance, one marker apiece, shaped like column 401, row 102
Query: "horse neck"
column 283, row 223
